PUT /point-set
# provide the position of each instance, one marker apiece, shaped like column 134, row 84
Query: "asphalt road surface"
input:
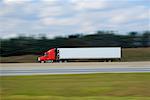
column 72, row 68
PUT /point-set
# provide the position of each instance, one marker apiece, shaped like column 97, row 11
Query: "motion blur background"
column 31, row 27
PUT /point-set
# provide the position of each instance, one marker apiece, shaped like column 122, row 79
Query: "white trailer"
column 105, row 53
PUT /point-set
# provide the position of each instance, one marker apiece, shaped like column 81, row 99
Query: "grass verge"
column 112, row 86
column 136, row 54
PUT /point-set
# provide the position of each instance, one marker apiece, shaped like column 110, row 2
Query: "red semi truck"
column 76, row 54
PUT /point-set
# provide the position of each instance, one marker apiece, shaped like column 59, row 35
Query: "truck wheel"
column 42, row 61
column 110, row 60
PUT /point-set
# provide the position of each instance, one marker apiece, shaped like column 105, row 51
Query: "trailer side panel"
column 90, row 53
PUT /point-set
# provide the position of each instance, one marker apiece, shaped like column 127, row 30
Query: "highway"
column 72, row 68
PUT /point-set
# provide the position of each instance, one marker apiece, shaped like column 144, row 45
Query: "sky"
column 63, row 17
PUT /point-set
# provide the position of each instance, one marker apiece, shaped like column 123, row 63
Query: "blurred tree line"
column 23, row 45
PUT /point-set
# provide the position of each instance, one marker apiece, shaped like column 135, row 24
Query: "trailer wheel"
column 110, row 60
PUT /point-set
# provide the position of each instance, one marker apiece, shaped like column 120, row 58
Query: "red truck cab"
column 50, row 55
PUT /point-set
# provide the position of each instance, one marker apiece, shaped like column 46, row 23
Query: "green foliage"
column 102, row 86
column 30, row 45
